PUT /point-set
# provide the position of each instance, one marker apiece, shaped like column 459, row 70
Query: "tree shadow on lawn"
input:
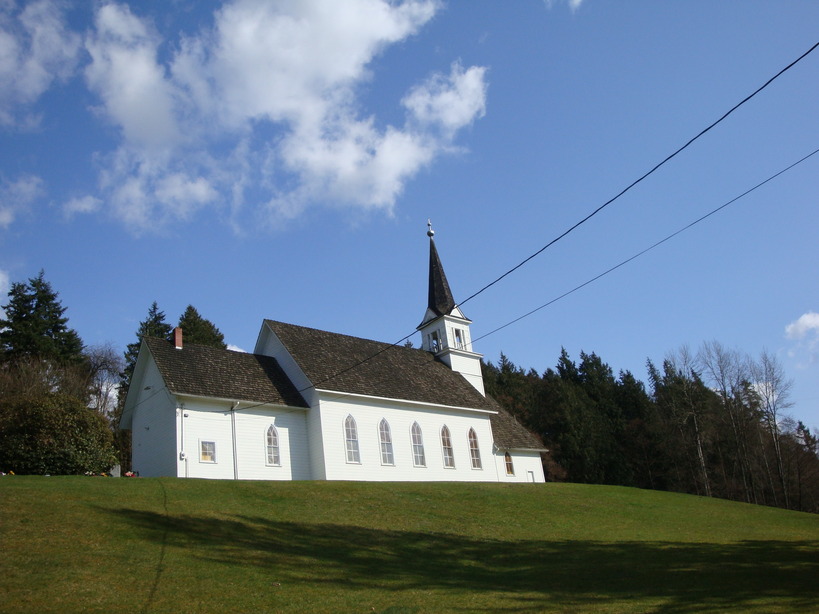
column 533, row 574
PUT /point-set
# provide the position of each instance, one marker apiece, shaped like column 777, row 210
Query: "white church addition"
column 314, row 405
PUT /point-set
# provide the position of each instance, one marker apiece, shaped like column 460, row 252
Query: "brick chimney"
column 177, row 338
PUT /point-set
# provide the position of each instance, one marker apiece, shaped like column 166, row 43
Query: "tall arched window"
column 418, row 458
column 446, row 446
column 510, row 467
column 272, row 440
column 351, row 440
column 474, row 450
column 385, row 437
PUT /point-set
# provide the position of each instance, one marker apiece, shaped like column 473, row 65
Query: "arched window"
column 351, row 440
column 510, row 467
column 418, row 458
column 385, row 437
column 446, row 446
column 272, row 439
column 474, row 450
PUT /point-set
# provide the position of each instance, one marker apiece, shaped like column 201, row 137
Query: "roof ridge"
column 327, row 332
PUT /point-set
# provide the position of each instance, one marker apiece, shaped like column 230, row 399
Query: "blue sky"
column 281, row 159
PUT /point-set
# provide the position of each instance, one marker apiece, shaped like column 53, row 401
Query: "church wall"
column 527, row 466
column 153, row 428
column 205, row 421
column 316, row 439
column 468, row 365
column 269, row 344
column 401, row 416
column 251, row 439
column 239, row 440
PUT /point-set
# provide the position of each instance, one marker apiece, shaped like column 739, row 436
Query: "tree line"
column 60, row 400
column 711, row 423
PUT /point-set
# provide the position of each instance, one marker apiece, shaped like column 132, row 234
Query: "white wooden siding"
column 153, row 428
column 240, row 437
column 524, row 462
column 251, row 440
column 269, row 344
column 400, row 416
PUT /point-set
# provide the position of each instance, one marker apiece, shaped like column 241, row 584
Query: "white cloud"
column 805, row 331
column 807, row 323
column 36, row 49
column 125, row 73
column 449, row 102
column 573, row 4
column 292, row 60
column 17, row 196
column 236, row 348
column 5, row 285
column 83, row 204
column 266, row 99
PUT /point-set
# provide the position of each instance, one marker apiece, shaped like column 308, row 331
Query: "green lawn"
column 79, row 544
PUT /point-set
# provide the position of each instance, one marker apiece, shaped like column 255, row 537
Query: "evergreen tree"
column 35, row 326
column 152, row 326
column 198, row 330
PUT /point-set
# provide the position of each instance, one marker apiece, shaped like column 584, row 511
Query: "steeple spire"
column 440, row 300
column 445, row 329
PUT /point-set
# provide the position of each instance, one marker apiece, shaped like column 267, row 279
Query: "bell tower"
column 445, row 329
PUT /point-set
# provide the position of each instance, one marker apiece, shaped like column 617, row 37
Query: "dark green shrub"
column 54, row 434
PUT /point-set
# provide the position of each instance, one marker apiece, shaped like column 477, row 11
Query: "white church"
column 314, row 405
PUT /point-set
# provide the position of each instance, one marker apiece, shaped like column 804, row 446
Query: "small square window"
column 207, row 451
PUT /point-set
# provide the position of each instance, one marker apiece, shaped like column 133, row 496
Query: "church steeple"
column 440, row 301
column 445, row 329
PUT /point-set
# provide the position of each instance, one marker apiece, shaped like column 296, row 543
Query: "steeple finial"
column 430, row 232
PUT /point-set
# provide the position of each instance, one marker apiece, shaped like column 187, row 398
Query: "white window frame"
column 272, row 447
column 446, row 448
column 419, row 459
column 351, row 447
column 385, row 443
column 474, row 449
column 202, row 444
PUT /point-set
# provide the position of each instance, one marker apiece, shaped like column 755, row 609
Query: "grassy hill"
column 79, row 544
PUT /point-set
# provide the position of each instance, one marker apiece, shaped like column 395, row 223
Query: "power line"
column 565, row 294
column 636, row 181
column 596, row 277
column 651, row 247
column 589, row 216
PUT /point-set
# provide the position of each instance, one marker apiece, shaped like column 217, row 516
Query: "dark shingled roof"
column 210, row 372
column 350, row 364
column 511, row 434
column 332, row 361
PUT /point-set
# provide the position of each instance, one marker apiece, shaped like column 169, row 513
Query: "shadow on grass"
column 530, row 574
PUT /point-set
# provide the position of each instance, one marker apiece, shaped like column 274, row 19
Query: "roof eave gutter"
column 405, row 401
column 498, row 448
column 238, row 402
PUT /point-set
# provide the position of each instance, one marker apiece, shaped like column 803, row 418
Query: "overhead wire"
column 650, row 248
column 585, row 219
column 568, row 231
column 591, row 280
column 641, row 178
